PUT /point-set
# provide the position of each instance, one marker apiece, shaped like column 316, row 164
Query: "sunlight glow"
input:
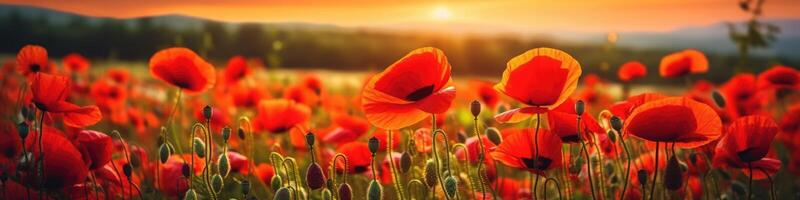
column 441, row 13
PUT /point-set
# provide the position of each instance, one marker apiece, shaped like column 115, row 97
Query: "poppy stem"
column 628, row 168
column 24, row 154
column 41, row 154
column 127, row 159
column 94, row 185
column 481, row 157
column 536, row 152
column 333, row 170
column 395, row 176
column 771, row 184
column 588, row 159
column 437, row 159
column 466, row 162
column 655, row 173
column 750, row 183
column 293, row 173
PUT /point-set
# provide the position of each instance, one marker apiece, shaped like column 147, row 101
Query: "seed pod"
column 276, row 182
column 190, row 195
column 345, row 192
column 283, row 194
column 207, row 112
column 616, row 123
column 226, row 134
column 430, row 174
column 718, row 99
column 310, row 139
column 22, row 129
column 240, row 133
column 579, row 107
column 245, row 187
column 451, row 186
column 475, row 108
column 315, row 178
column 127, row 169
column 217, row 183
column 374, row 144
column 185, row 170
column 641, row 176
column 199, row 147
column 612, row 136
column 673, row 179
column 223, row 164
column 163, row 153
column 494, row 135
column 405, row 162
column 374, row 191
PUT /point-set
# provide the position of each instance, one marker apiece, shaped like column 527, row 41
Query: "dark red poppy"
column 75, row 62
column 280, row 115
column 631, row 70
column 50, row 94
column 236, row 69
column 677, row 120
column 516, row 151
column 171, row 181
column 740, row 94
column 358, row 157
column 107, row 95
column 63, row 164
column 689, row 61
column 32, row 59
column 312, row 82
column 113, row 180
column 10, row 145
column 779, row 77
column 563, row 121
column 425, row 74
column 541, row 79
column 790, row 123
column 486, row 93
column 96, row 147
column 348, row 129
column 182, row 68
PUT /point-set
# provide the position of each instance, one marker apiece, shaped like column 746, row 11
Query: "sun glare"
column 441, row 13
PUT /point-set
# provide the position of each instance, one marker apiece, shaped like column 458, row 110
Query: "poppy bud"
column 217, row 183
column 579, row 107
column 310, row 139
column 374, row 191
column 475, row 108
column 245, row 187
column 430, row 173
column 405, row 162
column 240, row 133
column 693, row 157
column 190, row 195
column 226, row 134
column 462, row 137
column 494, row 135
column 345, row 192
column 315, row 178
column 373, row 145
column 163, row 153
column 616, row 123
column 718, row 99
column 673, row 178
column 22, row 128
column 641, row 176
column 127, row 169
column 326, row 194
column 199, row 147
column 283, row 194
column 207, row 111
column 450, row 186
column 223, row 164
column 276, row 182
column 185, row 170
column 612, row 136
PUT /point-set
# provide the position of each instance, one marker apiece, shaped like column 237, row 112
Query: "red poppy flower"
column 348, row 129
column 301, row 94
column 10, row 145
column 425, row 76
column 120, row 76
column 631, row 70
column 383, row 137
column 680, row 120
column 358, row 157
column 280, row 115
column 264, row 172
column 114, row 181
column 473, row 149
column 247, row 97
column 239, row 162
column 740, row 94
column 747, row 139
column 624, row 109
column 779, row 77
column 74, row 62
column 96, row 146
column 563, row 121
column 384, row 169
column 63, row 164
column 107, row 95
column 511, row 189
column 32, row 59
column 50, row 94
column 182, row 68
column 313, row 83
column 236, row 69
column 790, row 123
column 541, row 78
column 689, row 61
column 486, row 93
column 516, row 151
column 647, row 162
column 219, row 118
column 171, row 181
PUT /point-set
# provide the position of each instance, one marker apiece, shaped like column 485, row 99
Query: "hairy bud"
column 430, row 174
column 190, row 195
column 494, row 135
column 374, row 191
column 451, row 186
column 315, row 177
column 283, row 194
column 226, row 134
column 616, row 123
column 199, row 147
column 641, row 176
column 345, row 192
column 223, row 164
column 207, row 112
column 374, row 144
column 718, row 99
column 276, row 182
column 163, row 153
column 22, row 129
column 217, row 183
column 405, row 162
column 673, row 178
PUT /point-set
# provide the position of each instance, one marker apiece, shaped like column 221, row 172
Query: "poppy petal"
column 540, row 77
column 519, row 114
column 392, row 116
column 76, row 116
column 676, row 119
column 438, row 102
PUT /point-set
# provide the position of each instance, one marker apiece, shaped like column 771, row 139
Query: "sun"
column 441, row 13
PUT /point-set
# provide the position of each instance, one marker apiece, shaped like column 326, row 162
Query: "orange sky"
column 524, row 15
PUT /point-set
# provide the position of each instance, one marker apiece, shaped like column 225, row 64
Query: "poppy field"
column 182, row 125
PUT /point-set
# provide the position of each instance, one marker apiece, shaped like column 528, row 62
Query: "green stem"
column 481, row 157
column 628, row 169
column 750, row 183
column 655, row 174
column 466, row 161
column 771, row 184
column 437, row 159
column 398, row 186
column 536, row 153
column 588, row 159
column 41, row 154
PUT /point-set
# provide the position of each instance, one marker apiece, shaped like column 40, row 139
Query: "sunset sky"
column 522, row 15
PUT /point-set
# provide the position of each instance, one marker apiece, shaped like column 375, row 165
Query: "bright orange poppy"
column 75, row 62
column 32, row 59
column 425, row 77
column 779, row 77
column 631, row 70
column 280, row 115
column 50, row 94
column 680, row 120
column 183, row 68
column 516, row 151
column 540, row 78
column 301, row 94
column 689, row 61
column 118, row 75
